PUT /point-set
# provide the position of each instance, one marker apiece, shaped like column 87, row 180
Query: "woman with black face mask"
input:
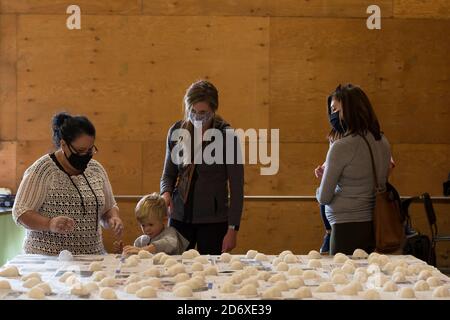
column 347, row 188
column 65, row 196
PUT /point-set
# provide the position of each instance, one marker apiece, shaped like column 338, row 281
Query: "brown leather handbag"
column 388, row 218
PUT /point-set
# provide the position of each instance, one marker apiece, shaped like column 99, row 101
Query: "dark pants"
column 324, row 218
column 346, row 237
column 208, row 237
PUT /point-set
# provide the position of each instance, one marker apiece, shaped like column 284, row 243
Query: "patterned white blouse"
column 47, row 189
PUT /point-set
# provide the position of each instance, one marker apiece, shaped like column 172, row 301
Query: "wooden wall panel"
column 60, row 6
column 8, row 165
column 28, row 152
column 421, row 168
column 94, row 72
column 433, row 9
column 8, row 90
column 297, row 8
column 405, row 79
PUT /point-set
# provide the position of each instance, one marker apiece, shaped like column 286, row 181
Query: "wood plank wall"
column 274, row 62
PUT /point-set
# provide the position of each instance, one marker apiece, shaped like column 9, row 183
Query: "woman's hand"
column 116, row 225
column 130, row 250
column 168, row 198
column 319, row 171
column 229, row 241
column 61, row 224
column 118, row 246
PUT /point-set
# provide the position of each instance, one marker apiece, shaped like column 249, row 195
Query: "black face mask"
column 336, row 123
column 78, row 161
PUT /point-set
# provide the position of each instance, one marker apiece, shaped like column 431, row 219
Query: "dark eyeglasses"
column 93, row 150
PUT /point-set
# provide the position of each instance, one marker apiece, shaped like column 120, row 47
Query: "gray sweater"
column 347, row 186
column 169, row 241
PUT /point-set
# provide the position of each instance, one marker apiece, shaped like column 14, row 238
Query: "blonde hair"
column 151, row 206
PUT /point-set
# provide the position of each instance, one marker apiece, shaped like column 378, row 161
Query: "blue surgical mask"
column 337, row 124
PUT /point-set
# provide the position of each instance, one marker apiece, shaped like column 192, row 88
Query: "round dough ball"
column 340, row 258
column 36, row 293
column 389, row 268
column 31, row 275
column 152, row 272
column 441, row 292
column 390, row 287
column 65, row 276
column 424, row 275
column 383, row 259
column 237, row 278
column 271, row 293
column 310, row 274
column 295, row 283
column 276, row 261
column 313, row 254
column 153, row 282
column 414, row 269
column 359, row 254
column 248, row 290
column 181, row 277
column 314, row 263
column 360, row 276
column 339, row 279
column 284, row 253
column 261, row 257
column 434, row 281
column 302, row 293
column 199, row 274
column 372, row 256
column 401, row 269
column 183, row 292
column 133, row 278
column 197, row 266
column 4, row 285
column 325, row 287
column 73, row 279
column 406, row 293
column 277, row 277
column 336, row 271
column 251, row 254
column 30, row 283
column 201, row 259
column 197, row 282
column 398, row 277
column 108, row 282
column 170, row 262
column 99, row 275
column 295, row 271
column 176, row 269
column 421, row 285
column 373, row 268
column 371, row 294
column 65, row 255
column 348, row 268
column 146, row 293
column 227, row 287
column 144, row 254
column 281, row 285
column 236, row 265
column 225, row 257
column 290, row 258
column 95, row 266
column 10, row 272
column 91, row 287
column 350, row 262
column 108, row 294
column 132, row 261
column 250, row 271
column 263, row 275
column 79, row 290
column 378, row 279
column 349, row 290
column 132, row 288
column 211, row 271
column 282, row 266
column 45, row 287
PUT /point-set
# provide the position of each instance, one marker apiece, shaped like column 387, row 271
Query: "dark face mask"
column 78, row 161
column 336, row 123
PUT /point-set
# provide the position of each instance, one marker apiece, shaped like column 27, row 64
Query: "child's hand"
column 118, row 246
column 130, row 250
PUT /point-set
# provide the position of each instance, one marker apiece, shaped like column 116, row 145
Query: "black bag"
column 419, row 246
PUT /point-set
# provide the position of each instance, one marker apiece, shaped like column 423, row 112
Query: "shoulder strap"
column 374, row 170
